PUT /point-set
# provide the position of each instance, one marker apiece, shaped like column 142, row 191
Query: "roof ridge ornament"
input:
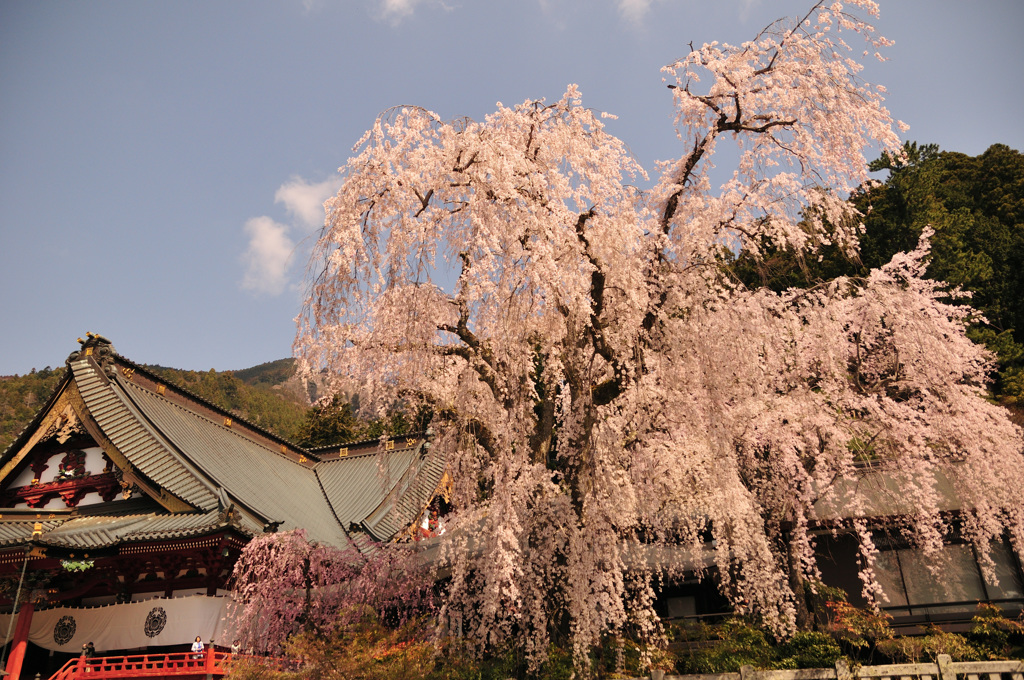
column 95, row 345
column 229, row 515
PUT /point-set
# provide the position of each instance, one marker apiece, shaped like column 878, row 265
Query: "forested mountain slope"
column 268, row 395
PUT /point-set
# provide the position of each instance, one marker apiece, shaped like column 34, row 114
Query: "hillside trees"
column 608, row 397
column 329, row 423
column 20, row 398
column 257, row 403
column 975, row 205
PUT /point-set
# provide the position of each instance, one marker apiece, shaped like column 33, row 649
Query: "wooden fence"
column 944, row 669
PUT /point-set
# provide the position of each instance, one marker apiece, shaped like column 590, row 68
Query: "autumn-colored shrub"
column 857, row 630
column 914, row 649
column 363, row 650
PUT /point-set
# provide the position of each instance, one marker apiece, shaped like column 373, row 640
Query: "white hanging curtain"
column 132, row 625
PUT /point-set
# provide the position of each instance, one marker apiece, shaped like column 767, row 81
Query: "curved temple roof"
column 206, row 469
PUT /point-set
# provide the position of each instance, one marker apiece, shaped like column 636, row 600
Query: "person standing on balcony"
column 197, row 648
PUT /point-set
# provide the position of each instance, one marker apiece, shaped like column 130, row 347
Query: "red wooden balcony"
column 182, row 665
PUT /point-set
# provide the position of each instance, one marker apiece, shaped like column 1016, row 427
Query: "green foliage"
column 737, row 642
column 269, row 374
column 724, row 648
column 976, row 207
column 21, row 397
column 994, row 635
column 928, row 647
column 809, row 649
column 455, row 662
column 394, row 424
column 328, row 424
column 335, row 423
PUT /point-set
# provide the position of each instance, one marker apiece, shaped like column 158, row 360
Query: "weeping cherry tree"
column 611, row 403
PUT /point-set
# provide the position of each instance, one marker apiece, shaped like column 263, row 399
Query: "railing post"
column 209, row 662
column 946, row 671
column 80, row 668
column 746, row 673
column 843, row 670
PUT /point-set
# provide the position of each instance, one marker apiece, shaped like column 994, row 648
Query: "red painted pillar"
column 20, row 642
column 209, row 661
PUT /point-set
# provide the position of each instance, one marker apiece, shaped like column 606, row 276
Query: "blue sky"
column 162, row 164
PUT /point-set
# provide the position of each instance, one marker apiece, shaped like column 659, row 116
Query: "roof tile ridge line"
column 276, row 452
column 391, row 495
column 334, row 513
column 126, row 399
column 191, row 466
column 48, row 403
column 257, row 515
column 351, row 456
column 188, row 532
column 136, row 537
column 369, row 452
column 126, row 521
column 220, row 409
column 417, row 434
column 424, row 468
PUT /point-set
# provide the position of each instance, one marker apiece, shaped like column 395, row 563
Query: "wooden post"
column 946, row 671
column 843, row 670
column 209, row 661
column 20, row 642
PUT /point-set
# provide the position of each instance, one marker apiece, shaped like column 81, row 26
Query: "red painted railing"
column 145, row 666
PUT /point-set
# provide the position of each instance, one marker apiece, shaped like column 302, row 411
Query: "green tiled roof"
column 145, row 448
column 105, row 531
column 382, row 492
column 186, row 447
column 357, row 485
column 257, row 476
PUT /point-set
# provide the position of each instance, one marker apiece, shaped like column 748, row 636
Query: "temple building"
column 126, row 502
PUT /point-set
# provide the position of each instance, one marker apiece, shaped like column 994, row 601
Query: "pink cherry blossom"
column 608, row 399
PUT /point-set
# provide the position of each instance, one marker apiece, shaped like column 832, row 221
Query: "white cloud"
column 305, row 200
column 396, row 10
column 272, row 250
column 634, row 10
column 268, row 256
